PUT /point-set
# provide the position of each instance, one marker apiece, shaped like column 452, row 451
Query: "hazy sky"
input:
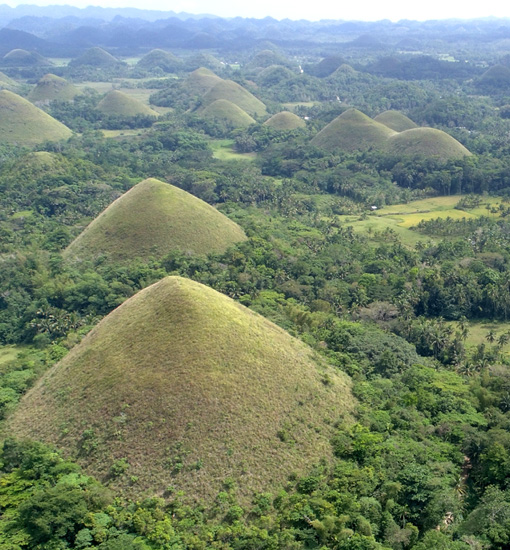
column 368, row 10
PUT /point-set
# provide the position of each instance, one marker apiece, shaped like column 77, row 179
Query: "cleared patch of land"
column 223, row 149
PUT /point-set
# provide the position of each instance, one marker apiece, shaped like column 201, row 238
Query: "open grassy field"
column 401, row 217
column 8, row 354
column 223, row 150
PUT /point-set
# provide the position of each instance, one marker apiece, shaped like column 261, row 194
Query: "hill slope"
column 395, row 120
column 352, row 131
column 233, row 92
column 285, row 121
column 120, row 104
column 154, row 218
column 95, row 57
column 426, row 142
column 52, row 87
column 228, row 112
column 25, row 124
column 191, row 388
column 200, row 81
column 160, row 59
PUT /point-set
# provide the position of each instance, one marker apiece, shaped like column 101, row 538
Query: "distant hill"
column 235, row 93
column 326, row 66
column 120, row 104
column 266, row 58
column 152, row 219
column 52, row 87
column 189, row 388
column 160, row 59
column 285, row 121
column 495, row 78
column 23, row 123
column 22, row 58
column 352, row 131
column 228, row 112
column 95, row 57
column 395, row 120
column 426, row 142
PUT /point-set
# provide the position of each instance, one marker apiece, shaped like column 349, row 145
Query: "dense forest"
column 334, row 192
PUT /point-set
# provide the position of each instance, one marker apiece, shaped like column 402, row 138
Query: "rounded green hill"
column 23, row 123
column 152, row 219
column 426, row 142
column 120, row 104
column 352, row 131
column 51, row 88
column 190, row 388
column 95, row 57
column 23, row 58
column 200, row 81
column 160, row 59
column 235, row 93
column 285, row 121
column 228, row 112
column 395, row 120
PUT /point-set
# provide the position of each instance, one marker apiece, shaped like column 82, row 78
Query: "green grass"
column 120, row 133
column 191, row 388
column 233, row 92
column 8, row 354
column 427, row 142
column 352, row 131
column 94, row 57
column 152, row 219
column 229, row 112
column 285, row 121
column 395, row 120
column 24, row 124
column 120, row 104
column 223, row 150
column 294, row 105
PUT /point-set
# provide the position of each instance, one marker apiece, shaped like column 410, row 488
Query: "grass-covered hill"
column 152, row 219
column 496, row 77
column 95, row 57
column 228, row 112
column 285, row 120
column 235, row 93
column 51, row 87
column 160, row 59
column 395, row 120
column 184, row 387
column 118, row 103
column 23, row 123
column 352, row 131
column 200, row 81
column 23, row 58
column 426, row 142
column 7, row 83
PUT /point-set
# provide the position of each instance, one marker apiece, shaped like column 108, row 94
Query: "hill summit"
column 51, row 87
column 152, row 219
column 188, row 388
column 120, row 104
column 352, row 131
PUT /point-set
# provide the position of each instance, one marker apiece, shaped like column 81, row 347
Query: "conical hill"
column 95, row 57
column 189, row 388
column 152, row 219
column 22, row 58
column 120, row 104
column 160, row 59
column 395, row 120
column 285, row 120
column 228, row 112
column 352, row 131
column 23, row 123
column 51, row 87
column 233, row 92
column 426, row 142
column 200, row 81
